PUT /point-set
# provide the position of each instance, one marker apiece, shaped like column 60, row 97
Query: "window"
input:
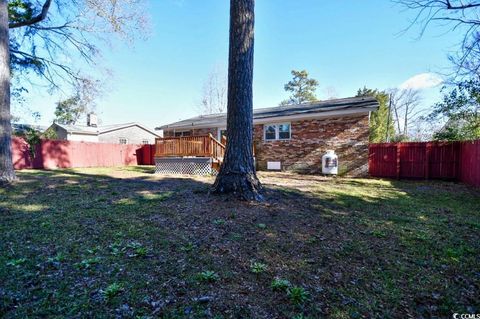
column 270, row 132
column 280, row 131
column 284, row 131
column 145, row 142
column 122, row 140
column 184, row 133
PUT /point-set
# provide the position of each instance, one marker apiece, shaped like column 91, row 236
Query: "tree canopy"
column 302, row 88
column 46, row 38
column 41, row 39
column 460, row 109
column 69, row 111
column 381, row 123
column 79, row 104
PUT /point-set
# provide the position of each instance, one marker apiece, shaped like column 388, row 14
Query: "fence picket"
column 427, row 160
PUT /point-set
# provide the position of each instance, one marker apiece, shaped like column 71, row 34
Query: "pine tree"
column 302, row 88
column 237, row 173
column 381, row 123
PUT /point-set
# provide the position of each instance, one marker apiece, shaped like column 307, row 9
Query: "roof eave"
column 82, row 133
column 291, row 117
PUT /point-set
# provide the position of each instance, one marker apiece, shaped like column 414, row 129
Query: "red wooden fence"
column 426, row 160
column 51, row 154
column 470, row 163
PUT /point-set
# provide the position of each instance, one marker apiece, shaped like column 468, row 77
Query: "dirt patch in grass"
column 123, row 242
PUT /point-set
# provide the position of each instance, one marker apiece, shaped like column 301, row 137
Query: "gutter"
column 276, row 119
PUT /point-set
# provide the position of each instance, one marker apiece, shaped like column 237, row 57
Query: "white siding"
column 133, row 134
column 82, row 137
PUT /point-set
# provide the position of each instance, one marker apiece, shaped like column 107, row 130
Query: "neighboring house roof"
column 345, row 106
column 20, row 128
column 101, row 129
column 78, row 129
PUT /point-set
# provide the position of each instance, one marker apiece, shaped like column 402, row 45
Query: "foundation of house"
column 185, row 165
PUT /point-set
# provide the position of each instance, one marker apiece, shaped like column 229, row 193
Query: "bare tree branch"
column 458, row 16
column 214, row 99
column 404, row 103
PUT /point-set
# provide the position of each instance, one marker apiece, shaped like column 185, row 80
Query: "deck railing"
column 201, row 146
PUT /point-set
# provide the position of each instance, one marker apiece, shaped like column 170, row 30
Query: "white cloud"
column 422, row 81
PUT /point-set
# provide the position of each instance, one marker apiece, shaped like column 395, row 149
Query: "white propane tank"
column 330, row 163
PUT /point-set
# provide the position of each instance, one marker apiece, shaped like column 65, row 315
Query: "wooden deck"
column 191, row 146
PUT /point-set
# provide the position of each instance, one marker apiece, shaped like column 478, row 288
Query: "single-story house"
column 128, row 133
column 295, row 137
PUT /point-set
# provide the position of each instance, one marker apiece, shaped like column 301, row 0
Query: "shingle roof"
column 353, row 103
column 20, row 127
column 80, row 129
column 100, row 129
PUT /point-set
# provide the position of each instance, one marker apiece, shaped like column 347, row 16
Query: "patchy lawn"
column 123, row 242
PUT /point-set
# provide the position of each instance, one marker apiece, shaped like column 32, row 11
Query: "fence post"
column 398, row 146
column 428, row 148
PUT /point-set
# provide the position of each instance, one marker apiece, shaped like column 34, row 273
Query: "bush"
column 298, row 295
column 208, row 276
column 258, row 268
column 280, row 284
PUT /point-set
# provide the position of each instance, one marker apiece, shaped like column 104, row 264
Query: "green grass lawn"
column 122, row 242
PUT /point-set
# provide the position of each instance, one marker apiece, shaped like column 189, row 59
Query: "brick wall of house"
column 347, row 136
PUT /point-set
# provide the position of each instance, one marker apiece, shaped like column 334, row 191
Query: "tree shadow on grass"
column 351, row 252
column 146, row 169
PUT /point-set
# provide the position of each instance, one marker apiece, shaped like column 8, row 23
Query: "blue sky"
column 343, row 44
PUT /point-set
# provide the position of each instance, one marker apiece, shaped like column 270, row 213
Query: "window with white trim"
column 122, row 140
column 277, row 131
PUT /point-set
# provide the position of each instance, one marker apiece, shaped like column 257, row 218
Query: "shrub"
column 258, row 268
column 297, row 295
column 208, row 276
column 280, row 284
column 112, row 290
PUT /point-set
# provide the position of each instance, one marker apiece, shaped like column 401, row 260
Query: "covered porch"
column 198, row 155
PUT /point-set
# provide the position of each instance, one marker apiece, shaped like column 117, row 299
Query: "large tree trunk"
column 7, row 174
column 237, row 173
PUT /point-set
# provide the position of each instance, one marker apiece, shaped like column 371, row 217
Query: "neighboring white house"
column 128, row 133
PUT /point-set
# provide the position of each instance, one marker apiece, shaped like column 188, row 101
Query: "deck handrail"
column 218, row 149
column 200, row 145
